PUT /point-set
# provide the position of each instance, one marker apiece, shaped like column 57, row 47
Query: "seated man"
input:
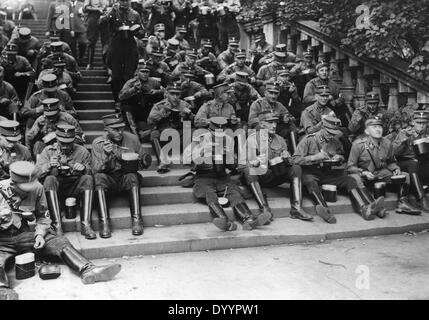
column 288, row 93
column 65, row 169
column 9, row 101
column 64, row 80
column 42, row 132
column 228, row 74
column 372, row 160
column 227, row 57
column 258, row 173
column 28, row 45
column 22, row 189
column 71, row 64
column 206, row 58
column 211, row 179
column 311, row 153
column 109, row 174
column 190, row 63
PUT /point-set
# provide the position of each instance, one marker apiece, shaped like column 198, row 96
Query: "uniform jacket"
column 213, row 108
column 160, row 115
column 311, row 117
column 309, row 96
column 262, row 106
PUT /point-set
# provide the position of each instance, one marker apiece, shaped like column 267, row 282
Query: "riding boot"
column 163, row 168
column 54, row 210
column 220, row 218
column 103, row 213
column 82, row 51
column 422, row 198
column 91, row 52
column 404, row 206
column 322, row 208
column 360, row 205
column 89, row 273
column 86, row 214
column 376, row 205
column 244, row 215
column 135, row 210
column 293, row 141
column 261, row 200
column 296, row 211
column 6, row 293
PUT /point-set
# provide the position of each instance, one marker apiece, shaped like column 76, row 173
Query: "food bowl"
column 398, row 180
column 224, row 202
column 331, row 163
column 421, row 147
column 64, row 170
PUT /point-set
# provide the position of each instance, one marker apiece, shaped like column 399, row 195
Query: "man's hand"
column 39, row 242
column 292, row 88
column 186, row 111
column 368, row 175
column 255, row 163
column 54, row 162
column 18, row 74
column 108, row 147
column 16, row 201
column 72, row 34
column 397, row 172
column 338, row 157
column 31, row 52
column 47, row 33
column 39, row 109
column 78, row 167
column 285, row 154
column 322, row 155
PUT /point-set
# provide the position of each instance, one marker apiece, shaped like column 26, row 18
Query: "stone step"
column 94, row 95
column 204, row 236
column 91, row 87
column 95, row 72
column 93, row 104
column 94, row 114
column 96, row 80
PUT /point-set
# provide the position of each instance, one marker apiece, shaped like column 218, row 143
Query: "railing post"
column 393, row 103
column 359, row 95
column 334, row 71
column 347, row 89
column 299, row 49
column 376, row 88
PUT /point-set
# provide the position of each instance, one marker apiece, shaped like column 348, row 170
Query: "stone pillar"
column 334, row 71
column 299, row 49
column 359, row 96
column 409, row 93
column 393, row 103
column 347, row 88
column 423, row 99
column 376, row 88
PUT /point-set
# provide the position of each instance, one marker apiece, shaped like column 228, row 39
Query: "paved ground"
column 390, row 267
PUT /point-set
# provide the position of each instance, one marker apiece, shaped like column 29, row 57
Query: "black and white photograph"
column 214, row 155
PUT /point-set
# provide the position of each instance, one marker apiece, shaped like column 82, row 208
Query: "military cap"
column 283, row 71
column 373, row 121
column 192, row 53
column 206, row 43
column 114, row 120
column 3, row 13
column 174, row 87
column 159, row 27
column 24, row 33
column 272, row 87
column 23, row 173
column 268, row 116
column 218, row 123
column 372, row 96
column 158, row 51
column 323, row 90
column 241, row 76
column 421, row 116
column 221, row 88
column 280, row 48
column 259, row 36
column 187, row 72
column 331, row 124
column 65, row 133
column 49, row 82
column 181, row 29
column 11, row 48
column 173, row 43
column 233, row 41
column 240, row 53
column 321, row 65
column 143, row 65
column 57, row 46
column 51, row 106
column 146, row 36
column 308, row 54
column 59, row 61
column 10, row 130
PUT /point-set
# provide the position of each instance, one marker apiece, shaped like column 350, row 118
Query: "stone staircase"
column 174, row 222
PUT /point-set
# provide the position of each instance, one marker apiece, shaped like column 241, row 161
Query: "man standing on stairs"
column 110, row 175
column 269, row 160
column 60, row 19
column 22, row 189
column 79, row 41
column 123, row 51
column 65, row 169
column 312, row 154
column 416, row 165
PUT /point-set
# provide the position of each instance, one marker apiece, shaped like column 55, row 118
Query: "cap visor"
column 28, row 186
column 14, row 138
column 51, row 89
column 334, row 131
column 51, row 113
column 117, row 125
column 65, row 140
column 174, row 90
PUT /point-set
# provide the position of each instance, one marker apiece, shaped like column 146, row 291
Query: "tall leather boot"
column 91, row 52
column 220, row 218
column 296, row 211
column 244, row 215
column 293, row 141
column 54, row 210
column 322, row 208
column 422, row 198
column 103, row 213
column 135, row 210
column 6, row 293
column 89, row 273
column 261, row 200
column 86, row 214
column 376, row 205
column 82, row 51
column 162, row 168
column 404, row 206
column 360, row 205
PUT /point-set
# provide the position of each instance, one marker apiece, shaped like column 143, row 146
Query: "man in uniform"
column 226, row 21
column 11, row 149
column 43, row 130
column 9, row 101
column 28, row 45
column 16, row 236
column 288, row 93
column 33, row 107
column 212, row 180
column 259, row 49
column 168, row 114
column 109, row 174
column 64, row 80
column 158, row 68
column 370, row 110
column 172, row 56
column 416, row 165
column 157, row 40
column 227, row 57
column 286, row 127
column 60, row 19
column 206, row 19
column 206, row 58
column 71, row 64
column 190, row 63
column 372, row 160
column 123, row 52
column 161, row 13
column 138, row 97
column 228, row 74
column 180, row 36
column 65, row 169
column 312, row 151
column 192, row 91
column 259, row 157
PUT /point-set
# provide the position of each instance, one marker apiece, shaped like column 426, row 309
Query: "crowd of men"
column 176, row 62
